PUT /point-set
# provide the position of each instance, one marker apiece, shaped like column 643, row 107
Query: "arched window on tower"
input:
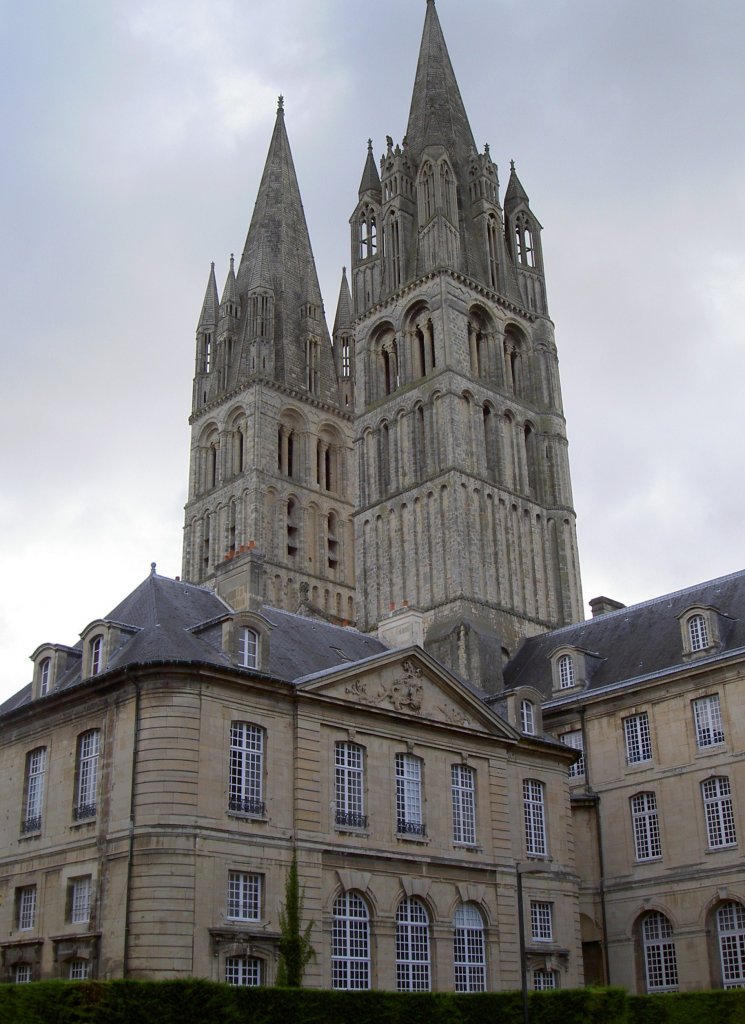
column 490, row 442
column 372, row 242
column 207, row 353
column 491, row 245
column 332, row 539
column 524, row 247
column 363, row 239
column 447, row 192
column 426, row 194
column 292, row 530
column 312, row 359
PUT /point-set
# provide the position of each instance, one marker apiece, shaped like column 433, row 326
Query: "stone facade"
column 392, row 782
column 653, row 696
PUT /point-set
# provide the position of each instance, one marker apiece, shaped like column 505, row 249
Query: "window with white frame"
column 720, row 816
column 698, row 633
column 36, row 769
column 638, row 738
column 527, row 717
column 469, row 954
column 412, row 947
column 707, row 717
column 349, row 785
column 544, row 980
column 244, row 895
column 96, row 650
column 660, row 960
column 350, row 943
column 78, row 969
column 730, row 919
column 409, row 819
column 574, row 740
column 45, row 676
column 248, row 647
column 80, row 900
column 26, row 907
column 566, row 671
column 86, row 784
column 535, row 818
column 541, row 921
column 646, row 826
column 246, row 769
column 243, row 970
column 463, row 792
column 22, row 974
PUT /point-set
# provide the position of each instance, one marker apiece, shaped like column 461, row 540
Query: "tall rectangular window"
column 646, row 825
column 707, row 716
column 86, row 785
column 246, row 769
column 26, row 907
column 36, row 768
column 349, row 785
column 720, row 818
column 248, row 647
column 409, row 795
column 574, row 739
column 535, row 818
column 541, row 921
column 638, row 738
column 463, row 792
column 244, row 896
column 80, row 900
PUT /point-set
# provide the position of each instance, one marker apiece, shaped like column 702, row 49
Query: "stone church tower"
column 271, row 484
column 412, row 476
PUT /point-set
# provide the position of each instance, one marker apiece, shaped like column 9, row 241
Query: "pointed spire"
column 230, row 292
column 515, row 192
column 278, row 253
column 437, row 114
column 370, row 177
column 211, row 304
column 343, row 318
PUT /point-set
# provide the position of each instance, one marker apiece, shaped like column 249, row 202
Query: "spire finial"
column 280, row 104
column 152, row 568
column 369, row 145
column 232, row 261
column 512, row 165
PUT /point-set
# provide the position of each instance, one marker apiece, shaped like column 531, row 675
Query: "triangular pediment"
column 412, row 684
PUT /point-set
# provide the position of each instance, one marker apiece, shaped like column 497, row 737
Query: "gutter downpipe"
column 601, row 862
column 130, row 852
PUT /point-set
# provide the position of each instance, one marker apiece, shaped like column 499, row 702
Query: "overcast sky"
column 134, row 135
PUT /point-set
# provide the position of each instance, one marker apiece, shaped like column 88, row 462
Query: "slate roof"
column 165, row 620
column 632, row 643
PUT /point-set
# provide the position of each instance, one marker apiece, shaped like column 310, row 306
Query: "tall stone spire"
column 437, row 115
column 210, row 306
column 370, row 178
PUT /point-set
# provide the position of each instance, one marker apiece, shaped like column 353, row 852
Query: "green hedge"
column 202, row 1002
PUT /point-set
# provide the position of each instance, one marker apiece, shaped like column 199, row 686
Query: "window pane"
column 412, row 947
column 638, row 739
column 535, row 826
column 350, row 953
column 469, row 958
column 463, row 800
column 246, row 768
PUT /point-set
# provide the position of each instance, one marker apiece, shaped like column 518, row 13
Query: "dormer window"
column 45, row 676
column 527, row 717
column 248, row 647
column 96, row 655
column 698, row 634
column 565, row 667
column 700, row 629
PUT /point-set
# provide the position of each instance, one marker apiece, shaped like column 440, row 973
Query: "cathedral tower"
column 269, row 513
column 465, row 521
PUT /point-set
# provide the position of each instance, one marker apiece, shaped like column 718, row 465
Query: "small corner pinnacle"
column 152, row 568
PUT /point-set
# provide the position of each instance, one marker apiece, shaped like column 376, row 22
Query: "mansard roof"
column 170, row 621
column 437, row 115
column 632, row 644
